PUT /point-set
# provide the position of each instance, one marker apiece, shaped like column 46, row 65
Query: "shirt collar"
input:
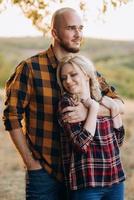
column 52, row 58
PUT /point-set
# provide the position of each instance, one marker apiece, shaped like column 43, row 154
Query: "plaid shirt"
column 32, row 95
column 97, row 165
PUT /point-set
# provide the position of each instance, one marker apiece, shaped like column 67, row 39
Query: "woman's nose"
column 68, row 80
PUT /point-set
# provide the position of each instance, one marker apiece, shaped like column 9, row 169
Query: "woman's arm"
column 118, row 126
column 79, row 113
column 115, row 109
column 115, row 104
column 120, row 135
column 90, row 122
column 81, row 133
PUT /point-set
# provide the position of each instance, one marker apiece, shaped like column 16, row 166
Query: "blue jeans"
column 114, row 192
column 41, row 186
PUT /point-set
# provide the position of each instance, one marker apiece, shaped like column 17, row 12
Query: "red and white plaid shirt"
column 100, row 165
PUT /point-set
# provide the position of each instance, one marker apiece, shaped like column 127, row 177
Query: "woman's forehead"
column 71, row 67
column 67, row 67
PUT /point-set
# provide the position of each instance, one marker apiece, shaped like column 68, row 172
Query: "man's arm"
column 18, row 93
column 19, row 140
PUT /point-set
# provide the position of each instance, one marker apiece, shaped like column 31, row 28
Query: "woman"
column 90, row 149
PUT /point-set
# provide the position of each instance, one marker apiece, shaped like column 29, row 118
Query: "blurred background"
column 108, row 42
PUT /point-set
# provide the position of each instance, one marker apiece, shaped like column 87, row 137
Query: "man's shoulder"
column 29, row 62
column 37, row 57
column 34, row 62
column 38, row 61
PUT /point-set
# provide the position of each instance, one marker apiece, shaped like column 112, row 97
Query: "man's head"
column 66, row 27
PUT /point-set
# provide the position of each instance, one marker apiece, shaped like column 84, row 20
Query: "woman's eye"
column 63, row 78
column 75, row 74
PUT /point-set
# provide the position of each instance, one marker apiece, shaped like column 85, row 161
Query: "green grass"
column 121, row 78
column 114, row 59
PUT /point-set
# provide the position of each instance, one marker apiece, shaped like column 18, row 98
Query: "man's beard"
column 69, row 49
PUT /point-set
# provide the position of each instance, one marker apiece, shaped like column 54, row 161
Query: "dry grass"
column 12, row 174
column 127, row 149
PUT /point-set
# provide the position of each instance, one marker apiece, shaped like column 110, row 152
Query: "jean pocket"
column 40, row 185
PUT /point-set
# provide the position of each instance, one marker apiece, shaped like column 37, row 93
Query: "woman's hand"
column 90, row 103
column 110, row 104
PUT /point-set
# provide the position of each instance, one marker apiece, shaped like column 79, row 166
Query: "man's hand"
column 73, row 114
column 19, row 139
column 33, row 164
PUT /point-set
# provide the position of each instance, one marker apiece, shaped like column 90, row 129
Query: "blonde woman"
column 90, row 148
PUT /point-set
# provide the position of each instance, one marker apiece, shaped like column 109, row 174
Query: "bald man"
column 32, row 95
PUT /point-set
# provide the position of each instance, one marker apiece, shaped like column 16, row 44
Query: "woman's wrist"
column 91, row 104
column 115, row 115
column 87, row 102
column 100, row 100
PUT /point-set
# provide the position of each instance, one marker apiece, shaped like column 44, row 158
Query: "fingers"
column 67, row 116
column 74, row 114
column 67, row 109
column 70, row 115
column 71, row 119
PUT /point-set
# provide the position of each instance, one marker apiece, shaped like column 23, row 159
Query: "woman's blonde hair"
column 87, row 67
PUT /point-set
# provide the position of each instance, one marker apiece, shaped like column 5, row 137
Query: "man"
column 32, row 95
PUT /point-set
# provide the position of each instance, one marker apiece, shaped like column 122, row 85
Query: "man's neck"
column 60, row 52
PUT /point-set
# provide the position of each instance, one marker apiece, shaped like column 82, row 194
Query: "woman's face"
column 73, row 79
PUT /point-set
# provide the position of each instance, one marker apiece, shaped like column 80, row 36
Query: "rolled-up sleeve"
column 18, row 90
column 120, row 134
column 106, row 89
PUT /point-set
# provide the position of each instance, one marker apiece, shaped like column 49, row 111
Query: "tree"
column 39, row 10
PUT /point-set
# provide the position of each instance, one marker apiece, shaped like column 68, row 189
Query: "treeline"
column 114, row 59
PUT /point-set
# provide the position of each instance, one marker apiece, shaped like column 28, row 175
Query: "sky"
column 117, row 24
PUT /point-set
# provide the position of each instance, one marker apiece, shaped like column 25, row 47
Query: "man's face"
column 70, row 32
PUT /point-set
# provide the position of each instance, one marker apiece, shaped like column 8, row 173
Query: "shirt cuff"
column 12, row 124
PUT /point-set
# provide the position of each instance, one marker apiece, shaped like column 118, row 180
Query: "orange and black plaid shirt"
column 32, row 95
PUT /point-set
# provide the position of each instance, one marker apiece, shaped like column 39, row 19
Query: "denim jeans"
column 41, row 186
column 114, row 192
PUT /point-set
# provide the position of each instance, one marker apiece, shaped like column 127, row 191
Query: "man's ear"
column 54, row 34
